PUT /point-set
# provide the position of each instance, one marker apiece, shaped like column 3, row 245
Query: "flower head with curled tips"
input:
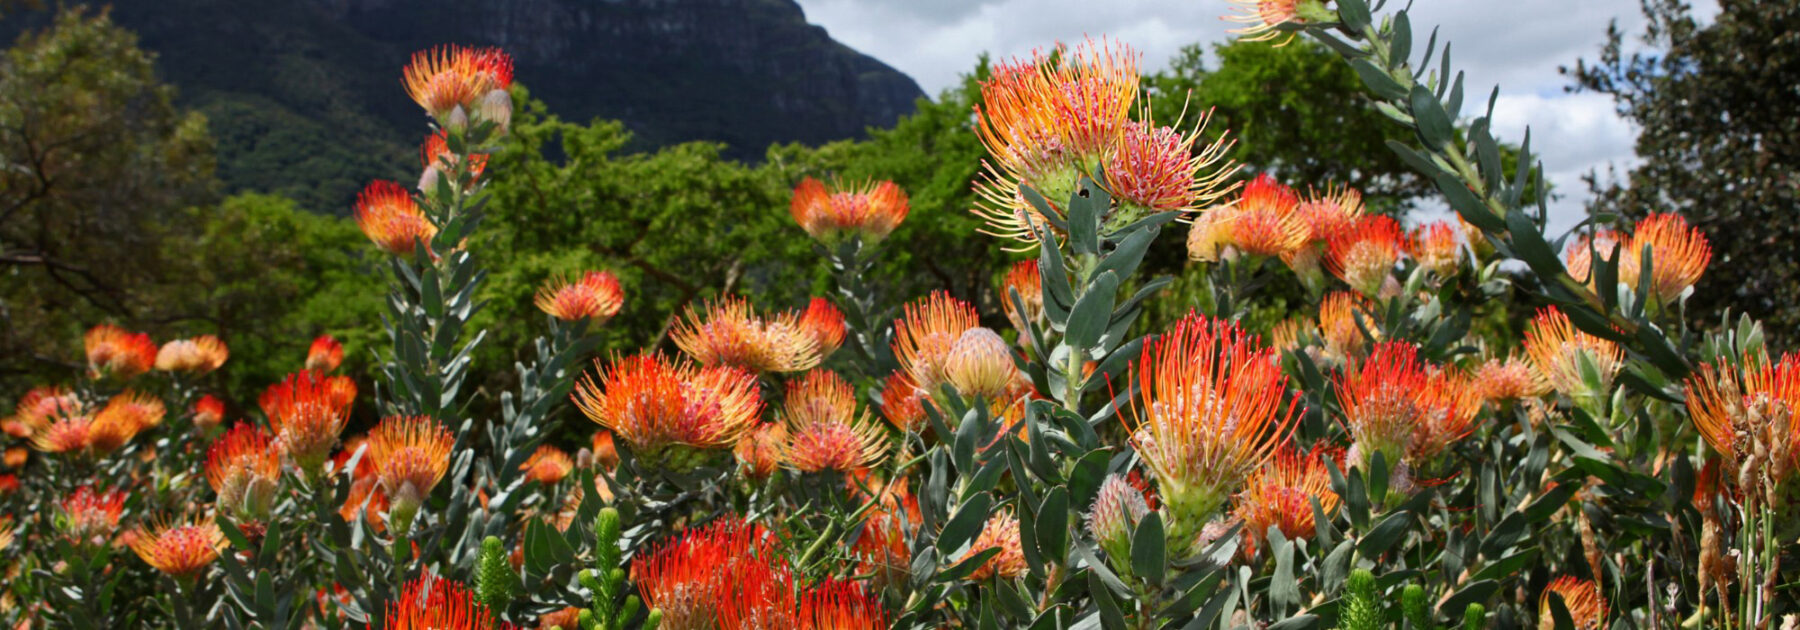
column 180, row 549
column 655, row 404
column 760, row 452
column 924, row 336
column 1207, row 416
column 87, row 517
column 824, row 432
column 1263, row 19
column 244, row 469
column 429, row 602
column 209, row 412
column 410, row 454
column 1396, row 405
column 1282, row 492
column 730, row 333
column 902, row 403
column 547, row 465
column 1750, row 407
column 123, row 417
column 446, row 78
column 1000, row 532
column 1559, row 352
column 1157, row 169
column 118, row 353
column 1582, row 598
column 1436, row 246
column 306, row 414
column 199, row 355
column 1264, row 221
column 832, row 214
column 1511, row 378
column 825, row 323
column 391, row 219
column 596, row 296
column 325, row 354
column 1363, row 253
column 1679, row 255
column 692, row 577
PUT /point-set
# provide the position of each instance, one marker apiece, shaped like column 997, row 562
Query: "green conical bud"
column 1417, row 609
column 493, row 575
column 1361, row 611
column 1474, row 617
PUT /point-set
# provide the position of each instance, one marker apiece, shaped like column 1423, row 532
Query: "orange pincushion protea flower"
column 825, row 323
column 124, row 416
column 388, row 215
column 244, row 468
column 1737, row 408
column 1579, row 259
column 1338, row 327
column 824, row 432
column 433, row 603
column 209, row 411
column 1558, row 350
column 307, row 413
column 869, row 211
column 1158, row 170
column 819, row 395
column 409, row 454
column 324, row 355
column 1282, row 492
column 840, row 605
column 1436, row 248
column 654, row 403
column 435, row 159
column 16, row 457
column 1679, row 255
column 760, row 450
column 548, row 465
column 924, row 337
column 1322, row 214
column 1210, row 415
column 43, row 405
column 692, row 577
column 605, row 453
column 902, row 403
column 1395, row 405
column 1001, row 532
column 445, row 78
column 1587, row 608
column 596, row 296
column 63, row 435
column 201, row 354
column 1509, row 379
column 731, row 333
column 1363, row 254
column 89, row 518
column 882, row 548
column 1023, row 278
column 116, row 352
column 181, row 550
column 1264, row 221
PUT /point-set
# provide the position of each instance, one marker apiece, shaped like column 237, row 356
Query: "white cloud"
column 1517, row 45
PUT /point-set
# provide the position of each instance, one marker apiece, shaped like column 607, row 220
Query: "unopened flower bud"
column 497, row 108
column 980, row 364
column 1117, row 510
column 458, row 120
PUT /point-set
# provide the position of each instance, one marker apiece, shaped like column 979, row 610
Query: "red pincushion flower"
column 596, row 296
column 433, row 603
column 325, row 354
column 388, row 215
column 652, row 402
column 1363, row 254
column 182, row 549
column 307, row 413
column 114, row 351
column 924, row 336
column 869, row 211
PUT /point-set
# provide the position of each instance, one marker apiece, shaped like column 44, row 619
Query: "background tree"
column 1719, row 110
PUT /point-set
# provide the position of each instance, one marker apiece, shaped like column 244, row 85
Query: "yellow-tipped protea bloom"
column 306, row 414
column 1156, row 169
column 1738, row 408
column 1579, row 259
column 596, row 297
column 1679, row 255
column 825, row 323
column 1210, row 415
column 1282, row 493
column 391, row 219
column 1558, row 351
column 447, row 78
column 1338, row 326
column 902, row 403
column 1436, row 247
column 830, row 215
column 1510, row 379
column 1363, row 254
column 181, row 550
column 1000, row 532
column 1322, row 214
column 730, row 333
column 1264, row 221
column 823, row 430
column 88, row 518
column 244, row 469
column 1023, row 278
column 409, row 455
column 63, row 435
column 123, row 417
column 119, row 353
column 1262, row 19
column 548, row 465
column 201, row 354
column 980, row 365
column 324, row 355
column 1292, row 334
column 656, row 404
column 43, row 405
column 1396, row 405
column 1587, row 607
column 924, row 336
column 819, row 395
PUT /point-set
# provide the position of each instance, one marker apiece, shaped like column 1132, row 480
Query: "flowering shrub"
column 1393, row 451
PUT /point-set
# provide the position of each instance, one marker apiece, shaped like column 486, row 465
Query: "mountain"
column 304, row 96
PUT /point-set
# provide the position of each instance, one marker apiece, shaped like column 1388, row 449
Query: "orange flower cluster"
column 307, row 412
column 118, row 353
column 832, row 214
column 654, row 403
column 181, row 549
column 1363, row 253
column 727, row 575
column 1741, row 409
column 1023, row 278
column 68, row 428
column 1000, row 532
column 391, row 219
column 199, row 355
column 548, row 465
column 1049, row 120
column 1396, row 405
column 596, row 297
column 1679, row 254
column 455, row 83
column 409, row 455
column 209, row 412
column 244, row 469
column 1282, row 492
column 824, row 433
column 324, row 355
column 1437, row 247
column 925, row 335
column 429, row 602
column 903, row 403
column 731, row 333
column 89, row 518
column 435, row 159
column 1263, row 221
column 1559, row 351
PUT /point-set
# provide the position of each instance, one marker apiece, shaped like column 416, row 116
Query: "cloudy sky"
column 1517, row 45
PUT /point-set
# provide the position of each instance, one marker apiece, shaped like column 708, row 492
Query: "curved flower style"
column 409, row 454
column 830, row 215
column 1000, row 532
column 200, row 355
column 1395, row 405
column 1262, row 19
column 1558, row 351
column 823, row 430
column 1210, row 415
column 1156, row 169
column 1679, row 255
column 44, row 405
column 1322, row 214
column 209, row 412
column 1264, row 221
column 596, row 296
column 731, row 333
column 825, row 323
column 1436, row 247
column 1587, row 607
column 89, row 518
column 548, row 465
column 445, row 79
column 924, row 336
column 181, row 550
column 1363, row 253
column 1738, row 408
column 902, row 403
column 391, row 219
column 324, row 355
column 429, row 602
column 1282, row 493
column 654, row 403
column 840, row 605
column 307, row 412
column 118, row 353
column 244, row 468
